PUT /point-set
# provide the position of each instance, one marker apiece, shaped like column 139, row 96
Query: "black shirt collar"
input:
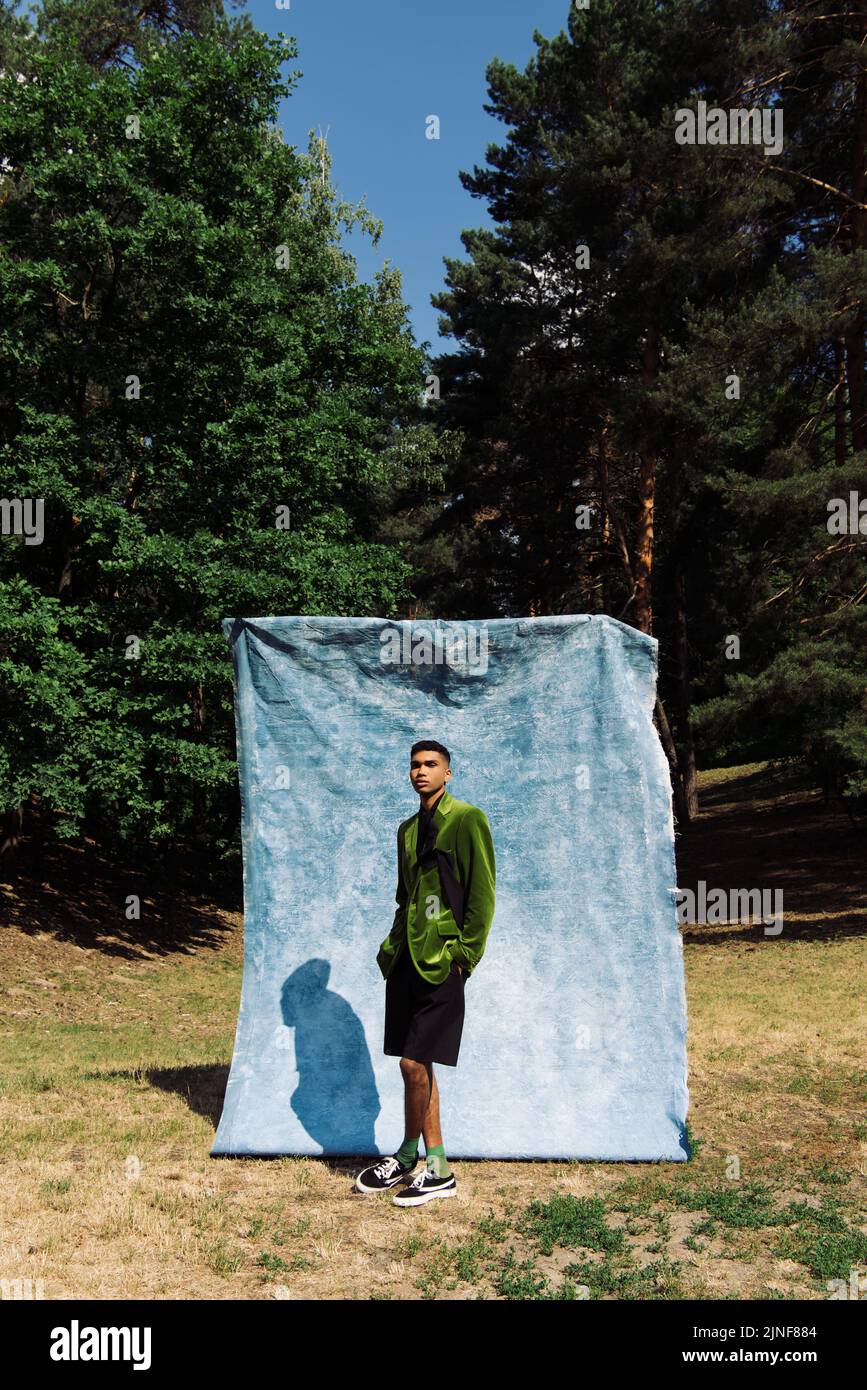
column 423, row 814
column 427, row 830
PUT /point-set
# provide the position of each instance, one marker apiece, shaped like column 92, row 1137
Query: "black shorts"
column 422, row 1021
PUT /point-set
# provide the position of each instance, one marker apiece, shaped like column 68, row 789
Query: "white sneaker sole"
column 423, row 1197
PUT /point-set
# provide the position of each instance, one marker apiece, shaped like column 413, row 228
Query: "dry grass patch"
column 114, row 1055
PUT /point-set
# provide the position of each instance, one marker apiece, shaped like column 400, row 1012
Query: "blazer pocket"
column 447, row 926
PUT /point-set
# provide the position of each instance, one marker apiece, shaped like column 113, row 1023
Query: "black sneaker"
column 383, row 1175
column 425, row 1188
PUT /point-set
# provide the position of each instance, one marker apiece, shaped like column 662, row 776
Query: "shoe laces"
column 385, row 1169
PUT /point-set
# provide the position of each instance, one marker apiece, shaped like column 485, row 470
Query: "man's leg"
column 435, row 1154
column 430, row 1125
column 419, row 1087
column 422, row 1105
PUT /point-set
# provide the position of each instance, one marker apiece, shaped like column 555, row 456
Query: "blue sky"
column 372, row 74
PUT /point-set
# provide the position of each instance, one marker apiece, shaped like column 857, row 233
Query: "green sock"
column 437, row 1162
column 407, row 1154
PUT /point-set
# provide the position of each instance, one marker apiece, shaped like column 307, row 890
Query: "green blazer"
column 423, row 918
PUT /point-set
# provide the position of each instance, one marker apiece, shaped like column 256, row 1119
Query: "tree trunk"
column 680, row 806
column 11, row 829
column 197, row 709
column 197, row 724
column 605, row 520
column 69, row 548
column 686, row 746
column 686, row 751
column 646, row 494
column 840, row 446
column 855, row 335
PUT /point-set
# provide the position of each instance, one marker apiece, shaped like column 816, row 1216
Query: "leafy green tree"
column 208, row 401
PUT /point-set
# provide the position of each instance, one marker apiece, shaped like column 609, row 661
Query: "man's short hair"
column 433, row 746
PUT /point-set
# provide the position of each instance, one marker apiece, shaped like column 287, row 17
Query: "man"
column 445, row 906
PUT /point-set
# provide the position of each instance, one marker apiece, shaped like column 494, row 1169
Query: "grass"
column 114, row 1055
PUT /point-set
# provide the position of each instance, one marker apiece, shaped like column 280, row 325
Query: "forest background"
column 656, row 409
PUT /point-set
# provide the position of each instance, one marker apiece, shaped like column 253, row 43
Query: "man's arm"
column 474, row 850
column 398, row 926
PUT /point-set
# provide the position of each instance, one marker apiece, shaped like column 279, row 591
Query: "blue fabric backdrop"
column 574, row 1043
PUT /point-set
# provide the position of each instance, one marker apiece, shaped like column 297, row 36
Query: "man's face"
column 428, row 771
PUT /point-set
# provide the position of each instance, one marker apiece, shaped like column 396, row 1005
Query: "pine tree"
column 784, row 601
column 565, row 310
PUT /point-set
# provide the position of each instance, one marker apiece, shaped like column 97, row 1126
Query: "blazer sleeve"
column 398, row 926
column 474, row 850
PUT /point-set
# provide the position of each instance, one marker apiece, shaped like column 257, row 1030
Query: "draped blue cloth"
column 574, row 1042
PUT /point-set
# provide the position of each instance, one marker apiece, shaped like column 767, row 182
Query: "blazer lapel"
column 443, row 807
column 411, row 839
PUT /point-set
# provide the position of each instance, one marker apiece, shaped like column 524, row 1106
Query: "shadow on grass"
column 764, row 830
column 78, row 893
column 203, row 1088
